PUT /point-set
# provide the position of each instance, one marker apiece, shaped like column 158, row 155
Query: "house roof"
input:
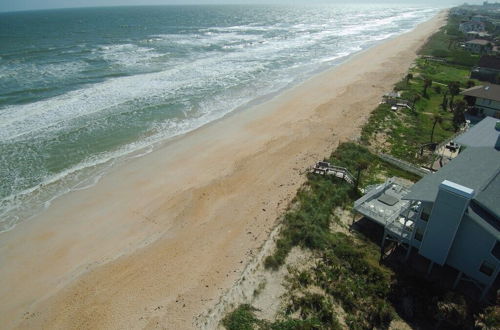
column 483, row 134
column 477, row 33
column 490, row 62
column 476, row 168
column 489, row 92
column 489, row 194
column 481, row 42
column 472, row 23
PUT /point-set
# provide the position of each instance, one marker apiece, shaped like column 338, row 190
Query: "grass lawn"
column 404, row 131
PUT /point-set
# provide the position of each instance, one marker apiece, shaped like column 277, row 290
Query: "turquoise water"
column 83, row 88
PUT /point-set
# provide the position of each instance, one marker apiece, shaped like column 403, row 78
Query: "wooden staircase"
column 324, row 168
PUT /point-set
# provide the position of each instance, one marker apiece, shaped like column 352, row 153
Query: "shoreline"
column 176, row 242
column 103, row 166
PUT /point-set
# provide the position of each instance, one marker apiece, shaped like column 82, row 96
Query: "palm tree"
column 458, row 114
column 444, row 104
column 454, row 89
column 427, row 84
column 409, row 77
column 437, row 118
column 361, row 166
column 415, row 100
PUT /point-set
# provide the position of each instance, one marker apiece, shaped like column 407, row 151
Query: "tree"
column 427, row 84
column 437, row 118
column 451, row 310
column 416, row 98
column 409, row 77
column 459, row 114
column 444, row 103
column 470, row 83
column 454, row 89
column 361, row 166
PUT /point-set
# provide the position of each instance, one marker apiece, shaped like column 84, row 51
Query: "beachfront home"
column 451, row 217
column 478, row 18
column 479, row 46
column 484, row 100
column 478, row 35
column 457, row 11
column 488, row 69
column 472, row 26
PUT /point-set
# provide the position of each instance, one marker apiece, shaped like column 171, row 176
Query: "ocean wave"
column 138, row 89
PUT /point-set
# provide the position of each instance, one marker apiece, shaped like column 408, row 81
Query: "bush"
column 443, row 53
column 242, row 318
column 489, row 319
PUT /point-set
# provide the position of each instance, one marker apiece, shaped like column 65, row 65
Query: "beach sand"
column 161, row 237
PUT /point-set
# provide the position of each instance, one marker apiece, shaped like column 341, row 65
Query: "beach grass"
column 307, row 223
column 445, row 44
column 404, row 132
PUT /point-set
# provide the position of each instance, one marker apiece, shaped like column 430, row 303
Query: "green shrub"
column 242, row 318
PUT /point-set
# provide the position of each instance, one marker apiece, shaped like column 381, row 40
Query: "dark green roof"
column 475, row 168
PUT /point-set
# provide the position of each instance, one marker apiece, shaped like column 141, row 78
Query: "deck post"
column 429, row 269
column 457, row 280
column 488, row 286
column 484, row 292
column 382, row 248
column 408, row 252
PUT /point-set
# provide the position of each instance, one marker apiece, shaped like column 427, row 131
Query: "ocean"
column 82, row 89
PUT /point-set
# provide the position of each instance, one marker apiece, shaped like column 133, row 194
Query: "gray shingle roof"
column 475, row 168
column 483, row 134
column 489, row 196
column 489, row 92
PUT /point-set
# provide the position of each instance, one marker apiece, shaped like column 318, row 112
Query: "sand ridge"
column 159, row 239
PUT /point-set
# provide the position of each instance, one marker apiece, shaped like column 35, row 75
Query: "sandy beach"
column 161, row 237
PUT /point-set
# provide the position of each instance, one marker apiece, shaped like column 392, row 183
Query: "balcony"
column 384, row 205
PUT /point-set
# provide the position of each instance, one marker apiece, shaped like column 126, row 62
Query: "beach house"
column 483, row 100
column 451, row 217
column 477, row 35
column 478, row 18
column 488, row 69
column 479, row 46
column 469, row 26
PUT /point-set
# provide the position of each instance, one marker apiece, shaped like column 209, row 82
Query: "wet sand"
column 160, row 238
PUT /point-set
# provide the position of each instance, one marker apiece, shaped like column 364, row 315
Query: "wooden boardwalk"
column 324, row 168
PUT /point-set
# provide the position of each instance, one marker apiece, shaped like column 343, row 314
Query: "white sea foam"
column 127, row 55
column 188, row 79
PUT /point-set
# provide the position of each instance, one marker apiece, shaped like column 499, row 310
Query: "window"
column 487, row 268
column 419, row 234
column 496, row 250
column 425, row 214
